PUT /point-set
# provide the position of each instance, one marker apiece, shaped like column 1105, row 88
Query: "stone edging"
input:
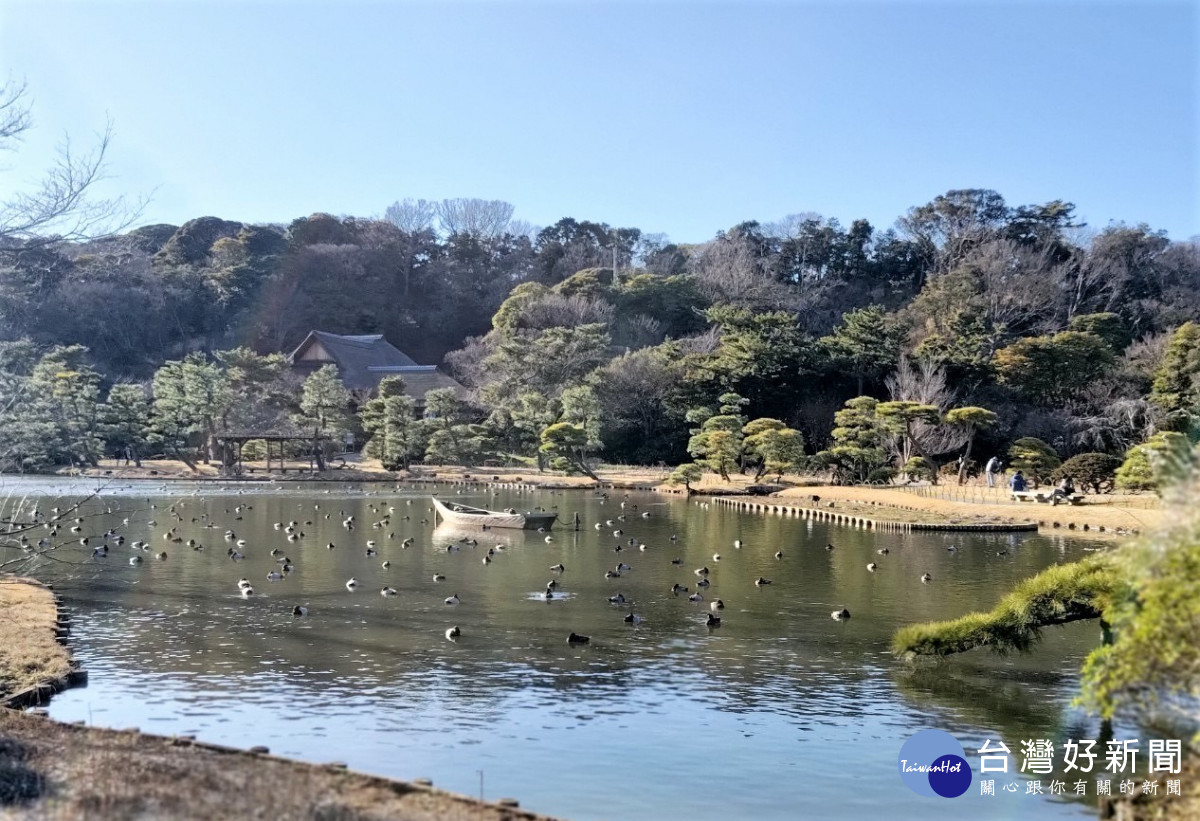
column 856, row 520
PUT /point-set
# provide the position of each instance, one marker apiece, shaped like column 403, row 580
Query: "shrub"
column 1145, row 464
column 1035, row 458
column 881, row 476
column 1094, row 471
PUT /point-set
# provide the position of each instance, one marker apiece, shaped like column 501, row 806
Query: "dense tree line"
column 969, row 324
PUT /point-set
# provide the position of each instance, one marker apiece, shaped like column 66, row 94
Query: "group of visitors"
column 1018, row 484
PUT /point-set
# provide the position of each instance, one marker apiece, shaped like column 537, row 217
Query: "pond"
column 779, row 710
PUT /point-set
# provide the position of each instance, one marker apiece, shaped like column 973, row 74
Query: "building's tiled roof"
column 364, row 360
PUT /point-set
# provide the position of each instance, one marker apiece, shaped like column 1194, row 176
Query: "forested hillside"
column 1057, row 328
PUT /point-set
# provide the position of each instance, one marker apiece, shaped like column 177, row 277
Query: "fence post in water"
column 576, row 527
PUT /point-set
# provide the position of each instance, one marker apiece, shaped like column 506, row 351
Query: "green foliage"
column 391, row 420
column 1034, row 458
column 126, row 419
column 581, row 407
column 1176, row 389
column 973, row 419
column 1107, row 326
column 717, row 443
column 1050, row 369
column 566, row 444
column 686, row 474
column 866, row 345
column 1058, row 595
column 1154, row 658
column 857, row 448
column 761, row 355
column 918, row 467
column 325, row 403
column 1091, row 472
column 1149, row 465
column 773, row 446
column 191, row 396
column 508, row 316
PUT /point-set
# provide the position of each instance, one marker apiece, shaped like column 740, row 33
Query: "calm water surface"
column 780, row 712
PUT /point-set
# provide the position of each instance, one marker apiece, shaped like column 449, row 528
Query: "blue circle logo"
column 933, row 763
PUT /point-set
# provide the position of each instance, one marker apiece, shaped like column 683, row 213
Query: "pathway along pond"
column 781, row 712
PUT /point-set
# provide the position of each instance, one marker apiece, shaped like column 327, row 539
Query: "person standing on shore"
column 990, row 470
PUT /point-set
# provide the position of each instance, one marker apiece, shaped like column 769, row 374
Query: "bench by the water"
column 1046, row 496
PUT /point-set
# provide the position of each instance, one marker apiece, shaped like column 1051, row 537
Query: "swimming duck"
column 678, row 588
column 611, row 574
column 438, row 577
column 387, row 591
column 872, row 566
column 840, row 614
column 716, row 605
column 487, row 559
column 716, row 557
column 350, row 585
column 702, row 583
column 883, row 551
column 299, row 610
column 274, row 576
column 712, row 621
column 760, row 581
column 926, row 578
column 557, row 568
column 386, row 564
column 247, row 592
column 695, row 597
column 135, row 559
column 453, row 632
column 737, row 543
column 703, row 571
column 575, row 638
column 622, row 567
column 452, row 599
column 676, row 561
column 631, row 618
column 829, row 547
column 617, row 599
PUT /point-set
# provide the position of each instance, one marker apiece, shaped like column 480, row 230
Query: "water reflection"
column 780, row 705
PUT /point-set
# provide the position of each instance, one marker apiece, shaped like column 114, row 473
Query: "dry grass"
column 894, row 503
column 29, row 653
column 71, row 773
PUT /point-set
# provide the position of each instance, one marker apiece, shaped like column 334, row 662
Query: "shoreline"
column 952, row 507
column 51, row 764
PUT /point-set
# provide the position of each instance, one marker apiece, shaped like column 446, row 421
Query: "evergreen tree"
column 1176, row 389
column 126, row 417
column 324, row 409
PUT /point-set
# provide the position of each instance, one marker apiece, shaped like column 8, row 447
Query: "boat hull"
column 493, row 518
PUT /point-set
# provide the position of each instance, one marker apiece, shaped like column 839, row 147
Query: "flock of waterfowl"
column 387, row 517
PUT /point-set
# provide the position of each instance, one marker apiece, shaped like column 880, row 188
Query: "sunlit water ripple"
column 780, row 708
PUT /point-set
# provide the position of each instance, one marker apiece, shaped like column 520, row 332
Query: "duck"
column 135, row 559
column 453, row 632
column 716, row 557
column 778, row 554
column 386, row 564
column 486, row 560
column 547, row 594
column 760, row 581
column 452, row 599
column 712, row 621
column 350, row 585
column 829, row 547
column 330, row 546
column 872, row 566
column 299, row 610
column 611, row 574
column 622, row 567
column 703, row 583
column 677, row 561
column 632, row 618
column 575, row 638
column 553, row 583
column 703, row 571
column 840, row 614
column 372, row 552
column 243, row 582
column 558, row 568
column 883, row 551
column 274, row 576
column 953, row 548
column 716, row 605
column 695, row 597
column 438, row 577
column 388, row 591
column 549, row 539
column 926, row 578
column 678, row 588
column 247, row 592
column 617, row 599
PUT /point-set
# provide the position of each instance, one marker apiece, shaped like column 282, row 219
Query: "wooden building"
column 362, row 361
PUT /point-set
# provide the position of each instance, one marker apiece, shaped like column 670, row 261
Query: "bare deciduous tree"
column 926, row 384
column 411, row 216
column 479, row 218
column 61, row 206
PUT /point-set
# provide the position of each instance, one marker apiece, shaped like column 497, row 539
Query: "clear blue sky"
column 680, row 117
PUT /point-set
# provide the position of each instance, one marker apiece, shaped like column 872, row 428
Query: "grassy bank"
column 75, row 773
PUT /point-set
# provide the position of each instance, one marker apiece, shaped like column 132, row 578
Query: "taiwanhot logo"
column 933, row 763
